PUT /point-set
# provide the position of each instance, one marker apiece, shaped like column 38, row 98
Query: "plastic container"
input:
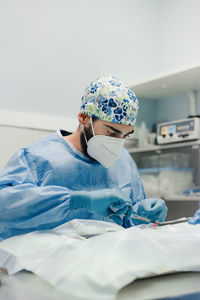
column 143, row 135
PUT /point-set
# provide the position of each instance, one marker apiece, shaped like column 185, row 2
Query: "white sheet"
column 96, row 268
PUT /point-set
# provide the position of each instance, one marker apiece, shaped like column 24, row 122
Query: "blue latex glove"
column 120, row 212
column 107, row 202
column 127, row 218
column 152, row 209
column 196, row 219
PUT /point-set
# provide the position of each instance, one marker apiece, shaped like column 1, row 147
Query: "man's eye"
column 111, row 133
column 126, row 136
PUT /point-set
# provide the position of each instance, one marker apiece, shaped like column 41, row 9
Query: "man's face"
column 104, row 128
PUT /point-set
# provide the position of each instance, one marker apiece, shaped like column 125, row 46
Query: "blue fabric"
column 121, row 214
column 190, row 296
column 108, row 99
column 196, row 219
column 36, row 184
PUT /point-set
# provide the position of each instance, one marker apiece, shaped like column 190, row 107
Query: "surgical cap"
column 110, row 100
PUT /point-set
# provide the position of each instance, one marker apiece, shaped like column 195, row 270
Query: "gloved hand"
column 196, row 219
column 152, row 209
column 127, row 220
column 107, row 202
column 121, row 213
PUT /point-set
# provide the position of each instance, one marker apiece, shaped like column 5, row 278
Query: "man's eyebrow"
column 114, row 129
column 118, row 131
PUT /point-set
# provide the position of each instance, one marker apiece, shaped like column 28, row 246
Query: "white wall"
column 53, row 48
column 178, row 33
column 14, row 138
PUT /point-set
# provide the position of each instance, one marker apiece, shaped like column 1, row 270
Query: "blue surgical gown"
column 35, row 185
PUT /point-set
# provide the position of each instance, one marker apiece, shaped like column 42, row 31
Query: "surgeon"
column 87, row 174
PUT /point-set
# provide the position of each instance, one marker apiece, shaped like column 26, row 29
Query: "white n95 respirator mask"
column 103, row 148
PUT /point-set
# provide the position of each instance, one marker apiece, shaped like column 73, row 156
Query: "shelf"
column 170, row 83
column 176, row 197
column 180, row 198
column 163, row 147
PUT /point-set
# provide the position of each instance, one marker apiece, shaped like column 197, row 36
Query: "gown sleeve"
column 137, row 194
column 24, row 204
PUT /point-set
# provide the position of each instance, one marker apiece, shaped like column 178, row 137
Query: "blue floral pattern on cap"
column 108, row 99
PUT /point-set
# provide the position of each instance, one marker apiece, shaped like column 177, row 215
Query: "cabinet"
column 168, row 170
column 170, row 83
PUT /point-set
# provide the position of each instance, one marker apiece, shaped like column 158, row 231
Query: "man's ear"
column 83, row 119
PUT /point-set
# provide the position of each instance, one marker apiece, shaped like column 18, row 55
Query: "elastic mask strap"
column 85, row 135
column 92, row 126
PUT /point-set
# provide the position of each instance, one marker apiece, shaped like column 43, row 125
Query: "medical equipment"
column 193, row 191
column 134, row 216
column 171, row 222
column 177, row 221
column 146, row 211
column 178, row 131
